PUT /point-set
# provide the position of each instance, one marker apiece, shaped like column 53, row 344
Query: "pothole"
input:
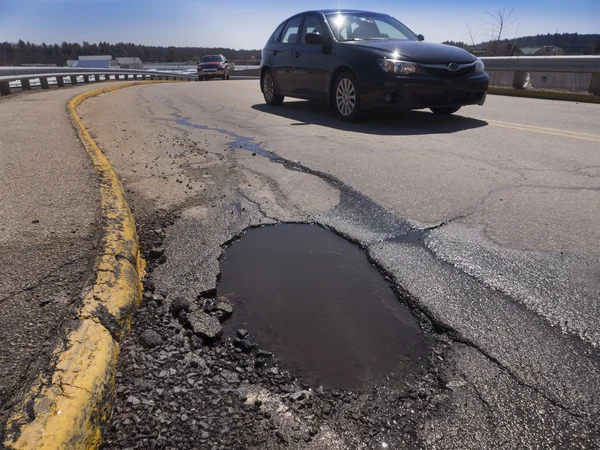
column 314, row 300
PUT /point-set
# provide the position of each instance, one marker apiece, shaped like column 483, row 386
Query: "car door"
column 283, row 55
column 311, row 63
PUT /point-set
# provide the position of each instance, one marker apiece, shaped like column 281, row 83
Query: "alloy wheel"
column 345, row 97
column 269, row 87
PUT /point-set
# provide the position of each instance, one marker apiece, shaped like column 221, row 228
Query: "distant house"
column 130, row 63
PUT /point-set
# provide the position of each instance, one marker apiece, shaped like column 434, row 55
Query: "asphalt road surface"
column 486, row 222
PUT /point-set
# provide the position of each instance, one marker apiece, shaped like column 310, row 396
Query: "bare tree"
column 473, row 38
column 501, row 22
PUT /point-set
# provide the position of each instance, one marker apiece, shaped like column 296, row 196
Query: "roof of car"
column 341, row 11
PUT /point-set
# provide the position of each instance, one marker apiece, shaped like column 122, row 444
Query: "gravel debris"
column 150, row 339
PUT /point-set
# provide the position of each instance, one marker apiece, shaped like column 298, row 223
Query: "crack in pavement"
column 42, row 280
column 585, row 418
column 258, row 206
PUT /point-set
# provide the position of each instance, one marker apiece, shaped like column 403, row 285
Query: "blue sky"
column 247, row 23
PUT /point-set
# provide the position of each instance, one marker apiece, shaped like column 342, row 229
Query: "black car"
column 357, row 60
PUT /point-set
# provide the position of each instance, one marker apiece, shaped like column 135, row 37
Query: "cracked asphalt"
column 49, row 229
column 484, row 223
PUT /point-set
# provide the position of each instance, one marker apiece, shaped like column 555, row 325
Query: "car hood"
column 419, row 51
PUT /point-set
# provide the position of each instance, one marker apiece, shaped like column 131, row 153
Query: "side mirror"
column 314, row 39
column 421, row 37
column 226, row 61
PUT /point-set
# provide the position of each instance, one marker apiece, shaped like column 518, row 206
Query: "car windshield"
column 212, row 59
column 364, row 26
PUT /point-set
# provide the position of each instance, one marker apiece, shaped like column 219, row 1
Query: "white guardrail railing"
column 61, row 76
column 522, row 65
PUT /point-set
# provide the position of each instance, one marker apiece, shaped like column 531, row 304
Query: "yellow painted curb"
column 66, row 407
column 549, row 95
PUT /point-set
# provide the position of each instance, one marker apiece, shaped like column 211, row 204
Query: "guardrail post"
column 5, row 88
column 86, row 79
column 60, row 82
column 518, row 80
column 595, row 84
column 97, row 78
column 44, row 83
column 73, row 80
column 25, row 85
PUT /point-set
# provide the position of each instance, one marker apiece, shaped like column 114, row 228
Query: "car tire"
column 445, row 110
column 228, row 76
column 346, row 98
column 269, row 92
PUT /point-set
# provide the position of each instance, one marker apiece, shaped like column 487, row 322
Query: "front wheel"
column 346, row 97
column 269, row 92
column 446, row 110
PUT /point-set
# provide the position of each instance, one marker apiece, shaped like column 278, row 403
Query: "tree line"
column 558, row 40
column 27, row 53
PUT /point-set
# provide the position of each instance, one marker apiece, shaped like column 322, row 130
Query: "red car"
column 213, row 66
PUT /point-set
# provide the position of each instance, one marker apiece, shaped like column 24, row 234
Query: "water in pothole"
column 314, row 300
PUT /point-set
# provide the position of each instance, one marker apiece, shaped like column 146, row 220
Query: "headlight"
column 199, row 68
column 395, row 66
column 221, row 66
column 479, row 67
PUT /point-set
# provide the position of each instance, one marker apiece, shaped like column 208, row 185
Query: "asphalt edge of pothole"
column 66, row 406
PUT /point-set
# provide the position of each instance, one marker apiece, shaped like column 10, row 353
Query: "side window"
column 277, row 33
column 291, row 30
column 312, row 24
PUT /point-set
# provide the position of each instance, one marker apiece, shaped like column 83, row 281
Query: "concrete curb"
column 66, row 406
column 549, row 95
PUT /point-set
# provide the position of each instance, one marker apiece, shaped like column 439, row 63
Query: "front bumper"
column 415, row 92
column 211, row 73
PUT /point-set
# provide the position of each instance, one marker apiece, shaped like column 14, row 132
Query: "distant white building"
column 95, row 62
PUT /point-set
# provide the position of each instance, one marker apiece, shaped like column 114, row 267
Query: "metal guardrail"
column 25, row 74
column 521, row 65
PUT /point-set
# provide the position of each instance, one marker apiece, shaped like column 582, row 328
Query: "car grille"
column 445, row 73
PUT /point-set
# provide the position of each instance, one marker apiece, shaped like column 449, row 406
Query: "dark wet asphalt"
column 313, row 299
